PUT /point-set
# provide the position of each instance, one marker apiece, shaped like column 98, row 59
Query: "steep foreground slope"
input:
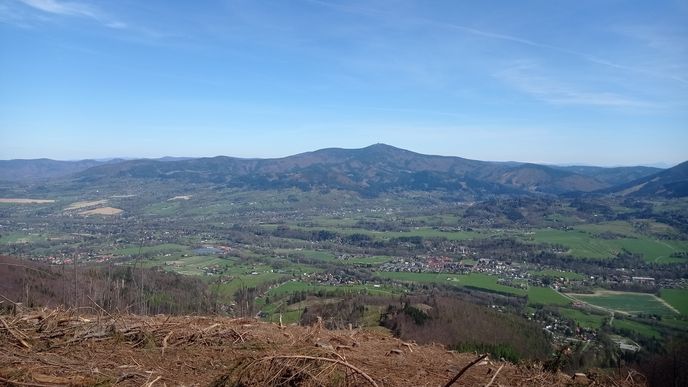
column 51, row 347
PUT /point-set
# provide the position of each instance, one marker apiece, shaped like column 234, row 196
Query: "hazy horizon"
column 585, row 83
column 155, row 157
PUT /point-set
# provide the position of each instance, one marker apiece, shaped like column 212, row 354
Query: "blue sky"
column 589, row 81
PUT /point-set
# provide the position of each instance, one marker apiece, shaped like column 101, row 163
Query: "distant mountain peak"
column 382, row 146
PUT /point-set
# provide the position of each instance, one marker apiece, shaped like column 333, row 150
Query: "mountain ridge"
column 672, row 182
column 370, row 170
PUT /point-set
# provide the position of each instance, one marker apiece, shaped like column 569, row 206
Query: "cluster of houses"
column 428, row 264
column 334, row 279
column 560, row 330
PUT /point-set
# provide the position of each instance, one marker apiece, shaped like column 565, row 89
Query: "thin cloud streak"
column 75, row 9
column 522, row 78
column 582, row 55
column 39, row 11
column 510, row 38
column 52, row 6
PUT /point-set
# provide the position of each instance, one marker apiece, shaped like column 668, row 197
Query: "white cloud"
column 62, row 8
column 74, row 9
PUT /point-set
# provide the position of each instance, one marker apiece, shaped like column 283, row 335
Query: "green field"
column 624, row 227
column 678, row 298
column 165, row 208
column 156, row 249
column 581, row 241
column 193, row 265
column 438, row 278
column 357, row 221
column 300, row 286
column 424, row 232
column 546, row 296
column 190, row 265
column 375, row 260
column 20, row 238
column 476, row 280
column 551, row 273
column 585, row 244
column 447, row 220
column 639, row 328
column 248, row 280
column 278, row 294
column 585, row 320
column 632, row 303
column 434, row 233
column 675, row 323
column 536, row 295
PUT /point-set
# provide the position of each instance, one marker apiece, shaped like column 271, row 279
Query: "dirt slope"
column 58, row 347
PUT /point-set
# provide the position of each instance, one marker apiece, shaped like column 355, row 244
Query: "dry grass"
column 85, row 204
column 102, row 211
column 26, row 201
column 63, row 347
column 180, row 197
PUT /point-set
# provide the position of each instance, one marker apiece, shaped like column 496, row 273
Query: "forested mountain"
column 42, row 169
column 370, row 171
column 672, row 182
column 612, row 175
column 38, row 169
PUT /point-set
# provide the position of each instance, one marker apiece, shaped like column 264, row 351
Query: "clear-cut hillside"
column 61, row 347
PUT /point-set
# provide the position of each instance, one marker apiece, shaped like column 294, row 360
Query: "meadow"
column 374, row 260
column 582, row 241
column 18, row 237
column 423, row 232
column 637, row 327
column 475, row 280
column 678, row 298
column 154, row 249
column 536, row 295
column 278, row 294
column 546, row 296
column 584, row 244
column 627, row 302
column 249, row 280
column 584, row 319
